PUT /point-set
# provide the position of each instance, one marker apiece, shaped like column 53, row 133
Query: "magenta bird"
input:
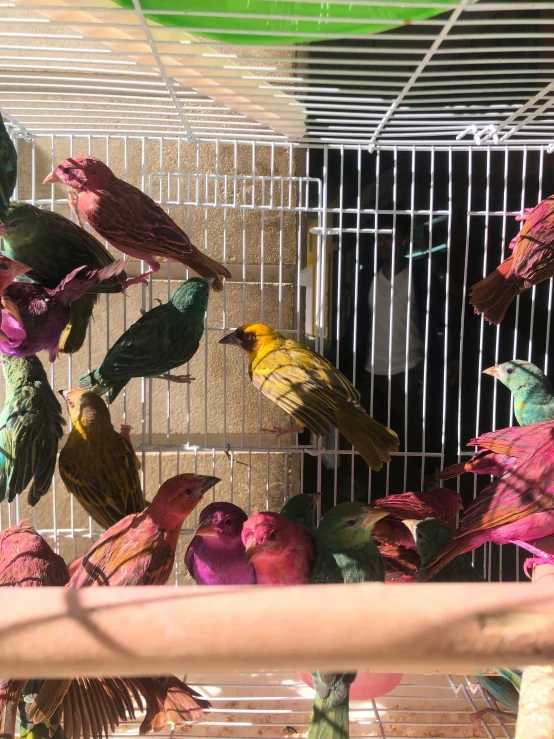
column 129, row 219
column 500, row 449
column 216, row 555
column 33, row 317
column 281, row 551
column 515, row 509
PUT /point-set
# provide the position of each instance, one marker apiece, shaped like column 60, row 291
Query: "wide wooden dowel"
column 51, row 632
column 536, row 702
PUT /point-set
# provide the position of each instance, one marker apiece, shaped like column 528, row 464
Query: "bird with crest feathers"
column 129, row 220
column 314, row 392
column 531, row 389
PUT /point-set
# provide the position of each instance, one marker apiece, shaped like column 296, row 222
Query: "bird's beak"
column 51, row 179
column 230, row 339
column 63, row 393
column 19, row 268
column 372, row 515
column 206, row 528
column 493, row 371
column 207, row 483
column 252, row 551
column 411, row 523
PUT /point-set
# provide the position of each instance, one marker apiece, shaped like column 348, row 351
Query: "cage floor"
column 246, row 705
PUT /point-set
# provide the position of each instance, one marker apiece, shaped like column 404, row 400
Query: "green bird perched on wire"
column 161, row 340
column 53, row 247
column 532, row 391
column 344, row 553
column 31, row 426
column 8, row 167
column 432, row 536
column 302, row 510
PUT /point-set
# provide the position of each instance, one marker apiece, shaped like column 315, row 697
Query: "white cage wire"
column 286, row 162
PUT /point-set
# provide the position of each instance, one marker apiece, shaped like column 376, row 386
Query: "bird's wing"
column 405, row 505
column 190, row 556
column 534, row 253
column 325, row 569
column 148, row 348
column 303, row 384
column 30, row 433
column 516, row 441
column 139, row 224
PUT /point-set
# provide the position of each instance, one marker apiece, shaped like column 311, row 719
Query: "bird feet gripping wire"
column 125, row 431
column 540, row 558
column 478, row 716
column 524, row 215
column 184, row 379
column 531, row 562
column 296, row 429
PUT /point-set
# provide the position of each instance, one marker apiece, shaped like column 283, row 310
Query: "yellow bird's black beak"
column 231, row 338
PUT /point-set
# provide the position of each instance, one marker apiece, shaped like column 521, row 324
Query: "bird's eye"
column 272, row 536
column 13, row 224
column 509, row 371
column 228, row 522
column 4, row 266
column 70, row 403
column 351, row 522
column 188, row 491
column 65, row 170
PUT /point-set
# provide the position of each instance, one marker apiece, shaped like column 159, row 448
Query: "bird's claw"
column 278, row 432
column 125, row 431
column 183, row 379
column 126, row 284
column 72, row 200
column 534, row 561
column 478, row 716
column 524, row 215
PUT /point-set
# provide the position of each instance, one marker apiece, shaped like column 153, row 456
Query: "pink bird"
column 515, row 509
column 281, row 551
column 9, row 270
column 129, row 219
column 500, row 449
column 531, row 262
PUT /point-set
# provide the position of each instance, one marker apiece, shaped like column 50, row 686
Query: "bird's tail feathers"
column 370, row 438
column 453, row 471
column 79, row 280
column 453, row 550
column 171, row 701
column 329, row 720
column 48, row 699
column 207, row 267
column 492, row 295
column 10, row 691
column 74, row 334
column 95, row 382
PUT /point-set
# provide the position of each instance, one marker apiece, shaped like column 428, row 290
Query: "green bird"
column 344, row 553
column 161, row 340
column 302, row 510
column 53, row 247
column 432, row 536
column 31, row 426
column 532, row 391
column 8, row 167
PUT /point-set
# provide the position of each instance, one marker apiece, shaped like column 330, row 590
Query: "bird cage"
column 287, row 138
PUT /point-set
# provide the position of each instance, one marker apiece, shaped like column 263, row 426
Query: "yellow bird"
column 97, row 464
column 312, row 390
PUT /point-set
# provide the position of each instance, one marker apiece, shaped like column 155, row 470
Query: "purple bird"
column 216, row 555
column 33, row 317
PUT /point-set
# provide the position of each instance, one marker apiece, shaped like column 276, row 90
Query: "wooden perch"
column 52, row 632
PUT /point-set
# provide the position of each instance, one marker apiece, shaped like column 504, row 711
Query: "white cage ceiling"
column 471, row 72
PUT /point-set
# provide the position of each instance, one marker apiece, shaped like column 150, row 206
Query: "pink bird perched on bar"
column 518, row 507
column 501, row 449
column 531, row 262
column 129, row 220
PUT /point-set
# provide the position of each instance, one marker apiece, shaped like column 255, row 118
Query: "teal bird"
column 432, row 536
column 31, row 426
column 302, row 510
column 8, row 167
column 161, row 340
column 532, row 391
column 344, row 553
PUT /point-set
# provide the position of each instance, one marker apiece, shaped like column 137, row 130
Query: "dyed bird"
column 531, row 262
column 344, row 553
column 140, row 548
column 31, row 426
column 312, row 390
column 281, row 551
column 302, row 509
column 26, row 561
column 164, row 338
column 8, row 167
column 500, row 449
column 431, row 536
column 52, row 246
column 9, row 270
column 98, row 465
column 216, row 554
column 532, row 391
column 516, row 509
column 33, row 317
column 129, row 220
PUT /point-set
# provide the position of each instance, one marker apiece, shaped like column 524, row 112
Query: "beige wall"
column 200, row 414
